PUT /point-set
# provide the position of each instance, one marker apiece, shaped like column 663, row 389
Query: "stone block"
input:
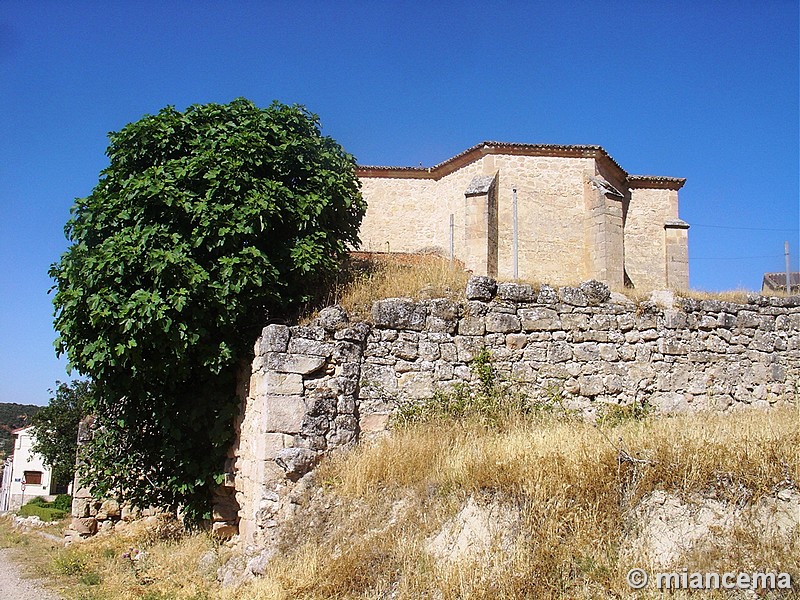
column 591, row 385
column 516, row 292
column 481, row 288
column 296, row 461
column 416, row 384
column 374, row 423
column 378, row 378
column 110, row 508
column 294, row 363
column 468, row 347
column 298, row 345
column 80, row 507
column 284, row 414
column 539, row 319
column 516, row 341
column 399, row 313
column 405, row 350
column 572, row 296
column 274, row 338
column 283, row 384
column 333, row 318
column 472, row 326
column 437, row 325
column 443, row 308
column 502, row 323
column 595, row 292
column 559, row 352
column 429, row 351
column 84, row 526
column 547, row 295
column 358, row 333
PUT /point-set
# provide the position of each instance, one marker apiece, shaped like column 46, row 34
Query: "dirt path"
column 14, row 586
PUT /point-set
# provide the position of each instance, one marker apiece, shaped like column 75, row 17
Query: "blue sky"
column 702, row 90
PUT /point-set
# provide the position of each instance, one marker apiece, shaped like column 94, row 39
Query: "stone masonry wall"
column 320, row 387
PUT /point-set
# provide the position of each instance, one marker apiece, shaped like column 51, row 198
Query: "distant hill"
column 13, row 416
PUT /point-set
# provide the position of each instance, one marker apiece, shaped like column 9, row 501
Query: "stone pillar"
column 84, row 506
column 300, row 404
column 480, row 226
column 676, row 234
column 605, row 233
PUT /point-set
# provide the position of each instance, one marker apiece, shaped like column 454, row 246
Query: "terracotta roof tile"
column 493, row 147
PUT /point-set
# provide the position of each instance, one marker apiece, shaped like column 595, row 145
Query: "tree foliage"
column 57, row 428
column 204, row 222
column 13, row 416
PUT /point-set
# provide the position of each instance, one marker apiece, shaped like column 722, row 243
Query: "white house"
column 25, row 476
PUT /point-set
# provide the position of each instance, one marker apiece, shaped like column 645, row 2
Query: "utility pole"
column 788, row 273
column 515, row 236
column 452, row 239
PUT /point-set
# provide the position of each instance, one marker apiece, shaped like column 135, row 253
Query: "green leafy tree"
column 204, row 223
column 57, row 428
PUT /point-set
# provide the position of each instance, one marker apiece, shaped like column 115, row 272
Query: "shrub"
column 45, row 513
column 63, row 502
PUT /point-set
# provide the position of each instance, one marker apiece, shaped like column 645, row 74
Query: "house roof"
column 777, row 281
column 21, row 429
column 478, row 150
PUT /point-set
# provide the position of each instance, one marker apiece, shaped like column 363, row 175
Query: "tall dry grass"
column 562, row 488
column 363, row 281
column 570, row 484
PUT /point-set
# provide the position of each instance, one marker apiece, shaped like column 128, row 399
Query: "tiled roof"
column 777, row 281
column 489, row 147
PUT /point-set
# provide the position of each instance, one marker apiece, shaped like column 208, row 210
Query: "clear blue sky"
column 702, row 90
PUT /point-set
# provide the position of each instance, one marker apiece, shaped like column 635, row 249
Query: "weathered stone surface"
column 595, row 292
column 296, row 461
column 481, row 288
column 472, row 326
column 275, row 382
column 502, row 323
column 310, row 347
column 516, row 292
column 284, row 414
column 443, row 308
column 416, row 384
column 274, row 338
column 84, row 526
column 572, row 296
column 399, row 313
column 294, row 363
column 333, row 318
column 539, row 319
column 357, row 332
column 322, row 387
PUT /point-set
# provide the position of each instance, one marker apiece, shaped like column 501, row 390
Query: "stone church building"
column 579, row 215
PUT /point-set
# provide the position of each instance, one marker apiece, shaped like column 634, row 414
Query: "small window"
column 33, row 478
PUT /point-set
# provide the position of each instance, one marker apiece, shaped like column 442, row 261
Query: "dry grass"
column 143, row 562
column 370, row 277
column 366, row 280
column 566, row 485
column 569, row 483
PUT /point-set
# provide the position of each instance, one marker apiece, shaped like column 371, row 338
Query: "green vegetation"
column 492, row 400
column 57, row 428
column 13, row 416
column 47, row 511
column 206, row 224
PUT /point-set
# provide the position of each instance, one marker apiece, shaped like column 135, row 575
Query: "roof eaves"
column 655, row 182
column 491, row 147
